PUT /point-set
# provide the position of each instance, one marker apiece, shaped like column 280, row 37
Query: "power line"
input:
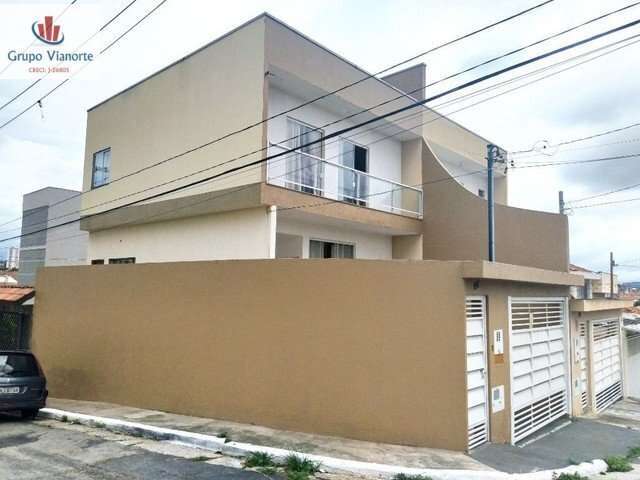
column 64, row 10
column 368, row 76
column 34, row 83
column 400, row 119
column 604, row 194
column 363, row 123
column 38, row 102
column 404, row 95
column 582, row 139
column 615, row 202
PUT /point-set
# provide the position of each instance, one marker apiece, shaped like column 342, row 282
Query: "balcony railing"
column 311, row 174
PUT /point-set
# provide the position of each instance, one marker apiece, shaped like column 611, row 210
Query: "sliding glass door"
column 354, row 186
column 305, row 169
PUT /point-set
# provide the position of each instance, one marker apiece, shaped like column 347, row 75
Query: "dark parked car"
column 23, row 386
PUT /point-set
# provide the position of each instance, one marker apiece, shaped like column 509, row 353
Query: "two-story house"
column 247, row 125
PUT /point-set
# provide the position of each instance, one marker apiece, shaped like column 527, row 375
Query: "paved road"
column 53, row 450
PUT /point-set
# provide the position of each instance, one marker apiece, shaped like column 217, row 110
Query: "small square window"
column 101, row 168
column 481, row 193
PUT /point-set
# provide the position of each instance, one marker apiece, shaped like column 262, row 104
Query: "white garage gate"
column 477, row 404
column 539, row 372
column 633, row 361
column 583, row 384
column 607, row 362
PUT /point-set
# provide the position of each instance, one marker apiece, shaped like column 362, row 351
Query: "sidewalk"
column 413, row 457
column 560, row 445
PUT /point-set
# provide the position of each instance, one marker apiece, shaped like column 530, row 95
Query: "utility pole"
column 494, row 155
column 612, row 264
column 561, row 207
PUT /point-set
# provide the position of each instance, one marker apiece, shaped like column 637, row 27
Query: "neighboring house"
column 13, row 258
column 450, row 353
column 8, row 277
column 64, row 245
column 598, row 343
column 602, row 286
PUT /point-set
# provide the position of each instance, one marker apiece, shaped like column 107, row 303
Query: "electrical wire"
column 363, row 123
column 386, row 102
column 440, row 116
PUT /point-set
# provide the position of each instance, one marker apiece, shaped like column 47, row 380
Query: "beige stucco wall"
column 217, row 236
column 498, row 294
column 272, row 342
column 455, row 226
column 213, row 92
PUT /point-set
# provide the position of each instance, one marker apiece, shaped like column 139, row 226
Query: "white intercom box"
column 497, row 398
column 498, row 342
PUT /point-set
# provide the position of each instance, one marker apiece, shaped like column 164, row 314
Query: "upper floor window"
column 101, row 168
column 115, row 261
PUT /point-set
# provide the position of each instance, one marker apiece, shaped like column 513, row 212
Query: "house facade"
column 479, row 351
column 40, row 246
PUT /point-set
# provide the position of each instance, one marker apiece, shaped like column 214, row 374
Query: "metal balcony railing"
column 311, row 174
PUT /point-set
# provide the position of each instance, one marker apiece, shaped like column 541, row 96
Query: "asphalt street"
column 53, row 450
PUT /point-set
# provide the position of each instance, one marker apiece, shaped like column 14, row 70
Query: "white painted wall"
column 367, row 245
column 242, row 234
column 385, row 156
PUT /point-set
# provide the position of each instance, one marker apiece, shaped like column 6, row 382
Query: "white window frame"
column 93, row 168
column 325, row 240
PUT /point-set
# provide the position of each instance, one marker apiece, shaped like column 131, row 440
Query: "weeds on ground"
column 259, row 459
column 633, row 453
column 297, row 464
column 404, row 476
column 568, row 476
column 618, row 464
column 268, row 471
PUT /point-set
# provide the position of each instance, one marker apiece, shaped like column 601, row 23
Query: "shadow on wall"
column 455, row 225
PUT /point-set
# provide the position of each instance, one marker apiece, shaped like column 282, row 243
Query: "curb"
column 239, row 449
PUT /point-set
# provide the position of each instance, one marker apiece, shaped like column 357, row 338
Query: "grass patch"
column 297, row 464
column 633, row 453
column 568, row 476
column 618, row 464
column 404, row 476
column 259, row 459
column 268, row 471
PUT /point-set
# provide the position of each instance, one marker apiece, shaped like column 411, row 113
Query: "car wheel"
column 29, row 414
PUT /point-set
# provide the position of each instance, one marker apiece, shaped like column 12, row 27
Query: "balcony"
column 308, row 173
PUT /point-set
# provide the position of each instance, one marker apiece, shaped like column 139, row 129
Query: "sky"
column 46, row 146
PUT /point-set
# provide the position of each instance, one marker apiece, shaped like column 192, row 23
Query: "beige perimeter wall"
column 373, row 350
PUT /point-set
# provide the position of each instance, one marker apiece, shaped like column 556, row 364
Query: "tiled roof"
column 16, row 294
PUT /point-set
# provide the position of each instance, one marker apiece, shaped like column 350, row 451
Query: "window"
column 97, row 261
column 18, row 365
column 113, row 261
column 305, row 171
column 322, row 249
column 354, row 186
column 481, row 193
column 101, row 168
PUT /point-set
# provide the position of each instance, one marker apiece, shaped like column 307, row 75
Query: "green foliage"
column 294, row 475
column 633, row 453
column 618, row 464
column 295, row 463
column 269, row 471
column 259, row 459
column 568, row 476
column 404, row 476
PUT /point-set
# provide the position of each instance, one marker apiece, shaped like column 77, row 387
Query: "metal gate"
column 607, row 366
column 13, row 330
column 583, row 387
column 477, row 404
column 633, row 363
column 539, row 391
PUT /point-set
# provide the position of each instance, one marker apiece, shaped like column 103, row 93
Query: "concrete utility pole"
column 612, row 264
column 494, row 155
column 561, row 202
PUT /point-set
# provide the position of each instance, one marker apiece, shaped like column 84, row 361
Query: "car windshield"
column 17, row 365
